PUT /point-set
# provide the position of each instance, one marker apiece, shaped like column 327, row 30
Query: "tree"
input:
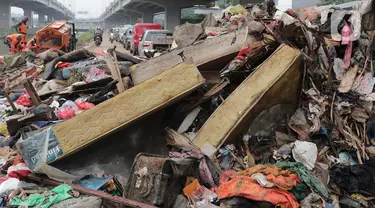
column 326, row 2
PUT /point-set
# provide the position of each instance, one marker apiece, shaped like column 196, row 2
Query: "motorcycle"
column 98, row 40
column 112, row 37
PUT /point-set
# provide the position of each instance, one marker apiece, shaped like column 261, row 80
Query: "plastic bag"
column 66, row 113
column 84, row 105
column 41, row 149
column 24, row 100
column 95, row 74
column 306, row 153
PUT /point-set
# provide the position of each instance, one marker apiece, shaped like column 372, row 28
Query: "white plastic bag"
column 306, row 153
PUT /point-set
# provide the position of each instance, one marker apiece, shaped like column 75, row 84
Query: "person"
column 98, row 32
column 31, row 45
column 21, row 28
column 14, row 43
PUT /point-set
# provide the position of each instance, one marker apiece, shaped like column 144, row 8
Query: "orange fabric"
column 14, row 41
column 283, row 182
column 265, row 169
column 248, row 187
column 22, row 28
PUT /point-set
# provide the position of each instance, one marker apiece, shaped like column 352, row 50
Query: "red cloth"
column 243, row 54
column 24, row 100
column 84, row 105
column 245, row 186
column 19, row 169
column 347, row 35
column 63, row 64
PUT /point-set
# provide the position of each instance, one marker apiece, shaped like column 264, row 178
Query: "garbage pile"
column 279, row 113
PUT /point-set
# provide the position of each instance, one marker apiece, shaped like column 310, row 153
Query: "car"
column 121, row 32
column 137, row 33
column 122, row 37
column 126, row 38
column 154, row 41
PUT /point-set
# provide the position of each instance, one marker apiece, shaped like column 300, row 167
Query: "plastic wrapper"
column 41, row 149
column 84, row 105
column 24, row 100
column 66, row 113
column 95, row 74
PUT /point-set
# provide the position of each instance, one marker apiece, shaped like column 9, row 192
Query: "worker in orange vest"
column 14, row 43
column 21, row 28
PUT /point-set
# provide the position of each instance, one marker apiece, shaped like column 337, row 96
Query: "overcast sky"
column 93, row 7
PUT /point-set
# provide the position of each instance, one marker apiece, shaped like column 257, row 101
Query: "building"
column 295, row 4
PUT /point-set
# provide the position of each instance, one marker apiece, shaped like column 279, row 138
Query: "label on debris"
column 40, row 148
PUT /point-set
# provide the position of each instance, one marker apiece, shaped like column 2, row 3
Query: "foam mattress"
column 127, row 107
column 275, row 81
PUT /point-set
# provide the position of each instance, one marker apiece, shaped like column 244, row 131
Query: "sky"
column 94, row 8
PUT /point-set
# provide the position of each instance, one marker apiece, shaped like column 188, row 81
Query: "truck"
column 58, row 35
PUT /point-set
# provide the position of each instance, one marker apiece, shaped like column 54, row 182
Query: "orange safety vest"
column 22, row 28
column 14, row 37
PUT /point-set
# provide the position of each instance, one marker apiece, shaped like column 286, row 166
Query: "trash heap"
column 263, row 108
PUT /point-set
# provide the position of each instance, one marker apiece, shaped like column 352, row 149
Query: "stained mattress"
column 275, row 81
column 126, row 108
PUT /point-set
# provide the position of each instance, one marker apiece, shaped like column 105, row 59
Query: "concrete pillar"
column 29, row 13
column 50, row 18
column 172, row 17
column 41, row 18
column 5, row 17
column 148, row 17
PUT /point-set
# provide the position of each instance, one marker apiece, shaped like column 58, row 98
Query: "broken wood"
column 118, row 71
column 115, row 75
column 32, row 92
column 116, row 199
column 10, row 101
column 220, row 50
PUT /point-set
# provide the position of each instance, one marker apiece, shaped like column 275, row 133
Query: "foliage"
column 326, row 2
column 86, row 36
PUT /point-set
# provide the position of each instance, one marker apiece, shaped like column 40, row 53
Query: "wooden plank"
column 10, row 101
column 32, row 92
column 127, row 107
column 202, row 53
column 274, row 82
column 115, row 76
column 101, row 194
column 118, row 72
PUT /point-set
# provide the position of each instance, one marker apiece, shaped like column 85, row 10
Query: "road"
column 105, row 45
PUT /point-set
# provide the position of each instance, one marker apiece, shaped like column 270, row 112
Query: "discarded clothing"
column 58, row 194
column 305, row 176
column 265, row 169
column 355, row 178
column 248, row 187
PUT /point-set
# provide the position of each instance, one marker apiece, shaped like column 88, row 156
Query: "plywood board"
column 125, row 108
column 274, row 82
column 202, row 53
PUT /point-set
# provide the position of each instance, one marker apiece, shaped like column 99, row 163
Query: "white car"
column 155, row 41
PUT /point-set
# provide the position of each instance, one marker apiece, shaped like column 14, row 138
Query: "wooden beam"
column 83, row 190
column 206, row 52
column 32, row 92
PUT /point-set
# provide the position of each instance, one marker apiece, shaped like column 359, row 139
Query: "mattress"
column 275, row 81
column 127, row 107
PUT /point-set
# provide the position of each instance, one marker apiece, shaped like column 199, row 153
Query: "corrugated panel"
column 276, row 81
column 127, row 107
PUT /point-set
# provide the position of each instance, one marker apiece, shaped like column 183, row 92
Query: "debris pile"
column 279, row 113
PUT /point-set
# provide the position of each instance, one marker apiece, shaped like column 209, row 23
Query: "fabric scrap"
column 245, row 186
column 57, row 195
column 307, row 177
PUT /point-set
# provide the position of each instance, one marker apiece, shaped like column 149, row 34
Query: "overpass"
column 122, row 12
column 87, row 24
column 50, row 8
